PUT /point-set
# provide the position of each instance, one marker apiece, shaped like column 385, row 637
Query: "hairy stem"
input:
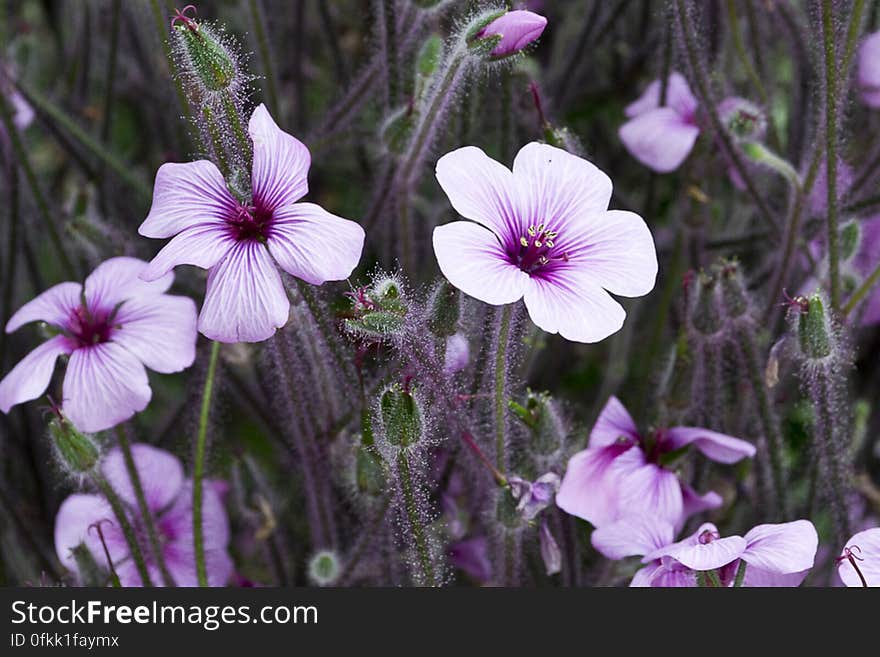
column 831, row 151
column 199, row 467
column 415, row 521
column 501, row 388
column 127, row 530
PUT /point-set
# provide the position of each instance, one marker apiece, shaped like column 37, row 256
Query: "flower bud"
column 734, row 300
column 324, row 568
column 743, row 120
column 445, row 309
column 814, row 330
column 540, row 416
column 204, row 54
column 501, row 35
column 705, row 315
column 401, row 416
column 378, row 311
column 77, row 451
column 427, row 62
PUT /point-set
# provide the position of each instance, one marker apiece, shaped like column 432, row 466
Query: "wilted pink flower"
column 111, row 328
column 662, row 137
column 869, row 70
column 859, row 562
column 622, row 471
column 774, row 555
column 240, row 242
column 551, row 555
column 169, row 498
column 543, row 232
column 517, row 30
column 533, row 496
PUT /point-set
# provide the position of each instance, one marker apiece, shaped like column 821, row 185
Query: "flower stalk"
column 199, row 467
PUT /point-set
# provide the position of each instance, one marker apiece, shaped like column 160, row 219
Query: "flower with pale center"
column 543, row 233
column 623, row 471
column 241, row 242
column 169, row 498
column 111, row 328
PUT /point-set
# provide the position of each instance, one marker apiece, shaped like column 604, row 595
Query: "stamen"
column 849, row 556
column 188, row 21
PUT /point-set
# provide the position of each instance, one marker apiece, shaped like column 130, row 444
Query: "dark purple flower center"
column 536, row 249
column 91, row 327
column 250, row 222
column 707, row 536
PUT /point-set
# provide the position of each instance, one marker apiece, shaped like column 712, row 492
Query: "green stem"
column 199, row 469
column 862, row 291
column 12, row 202
column 21, row 157
column 265, row 54
column 390, row 42
column 713, row 578
column 144, row 509
column 216, row 140
column 127, row 530
column 825, row 435
column 415, row 522
column 831, row 151
column 122, row 169
column 768, row 420
column 740, row 574
column 238, row 130
column 500, row 385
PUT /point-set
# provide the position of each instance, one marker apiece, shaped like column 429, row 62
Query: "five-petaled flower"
column 622, row 470
column 240, row 242
column 859, row 561
column 169, row 499
column 543, row 232
column 111, row 328
column 772, row 555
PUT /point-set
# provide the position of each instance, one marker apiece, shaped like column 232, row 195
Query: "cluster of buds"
column 378, row 311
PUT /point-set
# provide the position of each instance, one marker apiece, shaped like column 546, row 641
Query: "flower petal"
column 105, row 384
column 557, row 188
column 644, row 576
column 614, row 421
column 865, row 549
column 631, row 536
column 72, row 526
column 615, row 249
column 755, row 577
column 473, row 260
column 245, row 300
column 869, row 70
column 571, row 304
column 716, row 446
column 160, row 473
column 53, row 306
column 660, row 139
column 281, row 162
column 481, row 189
column 693, row 502
column 187, row 195
column 310, row 243
column 31, row 376
column 783, row 548
column 160, row 330
column 678, row 96
column 119, row 279
column 652, row 490
column 704, row 556
column 203, row 246
column 590, row 488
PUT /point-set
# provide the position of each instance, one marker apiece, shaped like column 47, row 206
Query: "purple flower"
column 471, row 555
column 241, row 242
column 533, row 497
column 869, row 70
column 543, row 233
column 551, row 555
column 458, row 353
column 169, row 498
column 621, row 472
column 859, row 562
column 774, row 555
column 111, row 328
column 662, row 137
column 517, row 30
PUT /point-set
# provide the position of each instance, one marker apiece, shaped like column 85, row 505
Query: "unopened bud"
column 705, row 315
column 735, row 301
column 814, row 330
column 76, row 450
column 539, row 414
column 742, row 119
column 427, row 61
column 401, row 416
column 503, row 34
column 379, row 311
column 207, row 56
column 445, row 309
column 324, row 568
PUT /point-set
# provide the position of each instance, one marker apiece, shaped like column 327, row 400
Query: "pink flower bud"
column 517, row 29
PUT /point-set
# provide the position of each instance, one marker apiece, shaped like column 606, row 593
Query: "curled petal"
column 716, row 446
column 30, row 377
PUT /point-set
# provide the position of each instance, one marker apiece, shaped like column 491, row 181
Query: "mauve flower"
column 869, row 70
column 859, row 562
column 169, row 498
column 533, row 496
column 111, row 328
column 471, row 555
column 543, row 232
column 621, row 472
column 517, row 30
column 662, row 137
column 774, row 555
column 241, row 242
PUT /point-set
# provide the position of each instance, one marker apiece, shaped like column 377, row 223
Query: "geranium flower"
column 241, row 242
column 533, row 496
column 869, row 70
column 622, row 471
column 859, row 561
column 661, row 138
column 543, row 233
column 111, row 328
column 774, row 555
column 169, row 498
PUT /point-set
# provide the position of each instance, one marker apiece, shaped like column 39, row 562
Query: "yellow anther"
column 532, row 231
column 538, row 243
column 549, row 243
column 524, row 241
